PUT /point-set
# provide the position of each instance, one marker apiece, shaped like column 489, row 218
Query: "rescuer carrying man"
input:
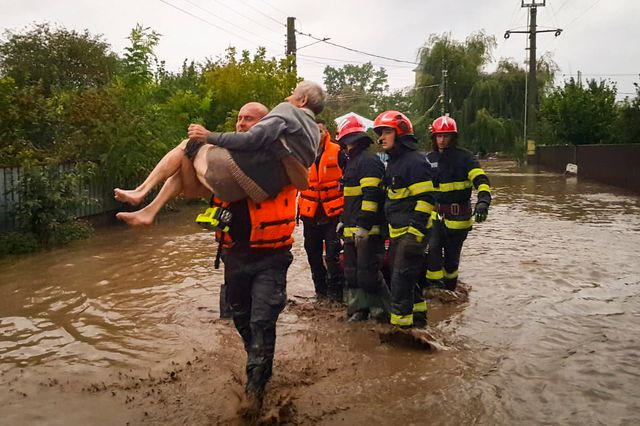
column 319, row 207
column 454, row 171
column 408, row 206
column 363, row 225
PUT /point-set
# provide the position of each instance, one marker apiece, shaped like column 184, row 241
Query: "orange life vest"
column 324, row 184
column 272, row 221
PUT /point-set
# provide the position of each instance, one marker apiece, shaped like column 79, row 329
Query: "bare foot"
column 139, row 218
column 130, row 196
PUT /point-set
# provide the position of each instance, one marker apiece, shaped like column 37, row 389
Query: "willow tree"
column 463, row 62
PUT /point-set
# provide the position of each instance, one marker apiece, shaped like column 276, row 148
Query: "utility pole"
column 443, row 90
column 532, row 81
column 291, row 42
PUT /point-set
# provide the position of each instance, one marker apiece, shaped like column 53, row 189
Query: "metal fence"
column 10, row 196
column 612, row 164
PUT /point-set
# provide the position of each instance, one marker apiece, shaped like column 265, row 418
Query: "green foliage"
column 489, row 107
column 139, row 57
column 50, row 197
column 12, row 243
column 354, row 88
column 577, row 114
column 231, row 82
column 628, row 122
column 56, row 59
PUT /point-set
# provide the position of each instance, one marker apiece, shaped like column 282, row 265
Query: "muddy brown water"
column 124, row 329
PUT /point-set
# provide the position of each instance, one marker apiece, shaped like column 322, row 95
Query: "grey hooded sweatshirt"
column 286, row 130
column 294, row 127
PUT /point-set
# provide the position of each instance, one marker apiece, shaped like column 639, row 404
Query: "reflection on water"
column 550, row 333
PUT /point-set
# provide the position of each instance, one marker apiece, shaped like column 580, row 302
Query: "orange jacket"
column 324, row 184
column 272, row 221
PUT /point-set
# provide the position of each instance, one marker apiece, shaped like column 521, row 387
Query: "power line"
column 244, row 15
column 275, row 8
column 269, row 17
column 353, row 61
column 209, row 22
column 324, row 40
column 226, row 21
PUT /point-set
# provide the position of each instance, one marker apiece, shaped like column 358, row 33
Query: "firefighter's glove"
column 215, row 218
column 481, row 211
column 361, row 235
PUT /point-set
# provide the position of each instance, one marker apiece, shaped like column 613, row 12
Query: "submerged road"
column 124, row 327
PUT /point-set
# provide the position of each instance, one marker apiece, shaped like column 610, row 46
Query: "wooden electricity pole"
column 532, row 81
column 291, row 42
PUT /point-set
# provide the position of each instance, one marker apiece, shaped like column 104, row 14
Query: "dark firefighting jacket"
column 455, row 171
column 363, row 195
column 409, row 190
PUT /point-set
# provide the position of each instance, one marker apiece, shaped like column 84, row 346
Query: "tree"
column 576, row 114
column 56, row 59
column 628, row 123
column 231, row 82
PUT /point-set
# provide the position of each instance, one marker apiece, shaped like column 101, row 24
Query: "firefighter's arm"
column 480, row 181
column 372, row 194
column 423, row 193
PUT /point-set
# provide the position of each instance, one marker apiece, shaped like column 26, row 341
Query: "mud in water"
column 124, row 328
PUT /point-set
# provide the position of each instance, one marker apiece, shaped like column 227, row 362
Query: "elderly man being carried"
column 257, row 164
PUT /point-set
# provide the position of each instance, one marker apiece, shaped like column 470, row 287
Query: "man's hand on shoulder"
column 198, row 132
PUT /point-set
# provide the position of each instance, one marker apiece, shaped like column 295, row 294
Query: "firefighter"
column 408, row 206
column 363, row 225
column 319, row 207
column 257, row 255
column 454, row 171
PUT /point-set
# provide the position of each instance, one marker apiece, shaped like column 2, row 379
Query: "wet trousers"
column 368, row 291
column 443, row 255
column 256, row 292
column 318, row 238
column 406, row 257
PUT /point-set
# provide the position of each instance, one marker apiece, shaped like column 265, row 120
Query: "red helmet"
column 444, row 124
column 394, row 119
column 348, row 125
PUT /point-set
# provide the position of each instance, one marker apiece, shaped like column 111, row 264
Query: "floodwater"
column 123, row 328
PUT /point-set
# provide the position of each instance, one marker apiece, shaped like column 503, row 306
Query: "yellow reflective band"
column 352, row 191
column 457, row 224
column 421, row 187
column 402, row 320
column 396, row 194
column 435, row 275
column 454, row 186
column 414, row 231
column 369, row 206
column 474, row 173
column 484, row 187
column 370, row 181
column 424, row 207
column 420, row 306
column 451, row 275
column 396, row 232
column 348, row 231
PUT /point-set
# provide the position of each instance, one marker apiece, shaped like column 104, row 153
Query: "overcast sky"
column 600, row 38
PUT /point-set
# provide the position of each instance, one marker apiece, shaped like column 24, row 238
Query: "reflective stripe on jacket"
column 455, row 171
column 363, row 195
column 272, row 221
column 409, row 190
column 324, row 184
